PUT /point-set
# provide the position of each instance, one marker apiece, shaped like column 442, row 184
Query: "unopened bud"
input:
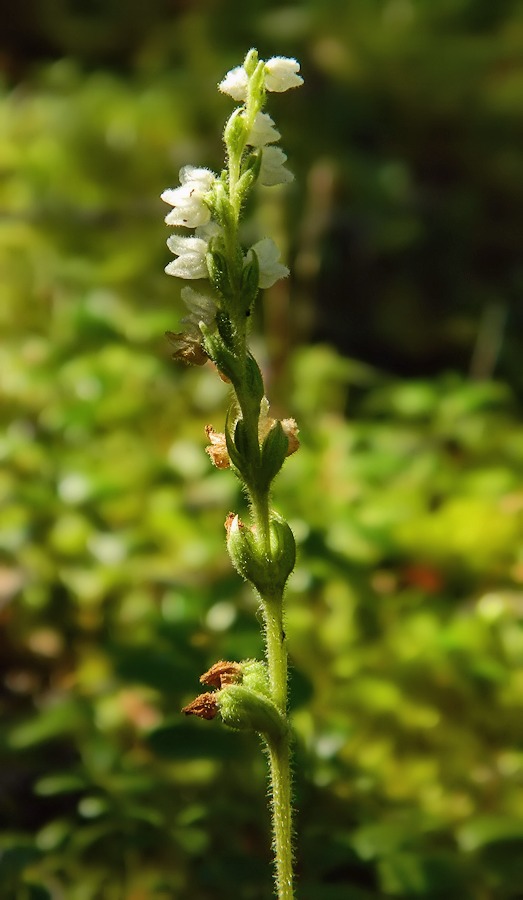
column 283, row 549
column 244, row 709
column 245, row 554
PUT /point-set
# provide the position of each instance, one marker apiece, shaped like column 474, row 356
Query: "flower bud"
column 219, row 273
column 267, row 574
column 273, row 452
column 246, row 710
column 283, row 549
column 252, row 673
column 221, row 205
column 246, row 556
column 235, row 134
column 251, row 61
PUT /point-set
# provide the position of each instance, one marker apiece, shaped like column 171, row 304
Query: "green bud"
column 219, row 273
column 257, row 85
column 273, row 452
column 255, row 676
column 283, row 550
column 250, row 172
column 235, row 133
column 220, row 205
column 268, row 576
column 244, row 709
column 246, row 556
column 251, row 61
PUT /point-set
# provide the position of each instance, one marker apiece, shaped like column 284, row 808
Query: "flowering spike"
column 251, row 695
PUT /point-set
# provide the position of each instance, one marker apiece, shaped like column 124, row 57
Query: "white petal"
column 281, row 73
column 235, row 83
column 201, row 178
column 263, row 131
column 272, row 169
column 201, row 307
column 187, row 200
column 182, row 245
column 187, row 267
column 271, row 269
column 191, row 262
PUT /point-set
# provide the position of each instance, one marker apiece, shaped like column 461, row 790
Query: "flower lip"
column 272, row 169
column 268, row 255
column 188, row 200
column 191, row 253
column 235, row 83
column 263, row 131
column 281, row 74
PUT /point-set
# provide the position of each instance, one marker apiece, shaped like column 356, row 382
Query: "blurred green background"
column 396, row 343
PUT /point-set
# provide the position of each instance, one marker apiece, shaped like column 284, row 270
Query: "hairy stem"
column 282, row 817
column 276, row 653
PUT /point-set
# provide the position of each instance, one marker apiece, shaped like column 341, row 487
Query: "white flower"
column 272, row 169
column 190, row 209
column 268, row 255
column 191, row 253
column 235, row 84
column 201, row 308
column 263, row 131
column 281, row 74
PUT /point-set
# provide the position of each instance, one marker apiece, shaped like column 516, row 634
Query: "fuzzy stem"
column 275, row 648
column 276, row 651
column 276, row 654
column 282, row 817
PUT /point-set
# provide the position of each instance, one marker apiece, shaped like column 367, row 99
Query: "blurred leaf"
column 189, row 742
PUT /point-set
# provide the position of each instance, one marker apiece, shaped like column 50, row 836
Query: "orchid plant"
column 251, row 694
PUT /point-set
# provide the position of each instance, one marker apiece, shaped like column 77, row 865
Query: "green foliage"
column 404, row 618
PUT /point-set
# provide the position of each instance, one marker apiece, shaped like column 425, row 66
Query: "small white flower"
column 235, row 84
column 281, row 74
column 201, row 308
column 272, row 169
column 268, row 255
column 189, row 209
column 263, row 131
column 191, row 253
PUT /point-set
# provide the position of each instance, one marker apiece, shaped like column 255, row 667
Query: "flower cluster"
column 210, row 205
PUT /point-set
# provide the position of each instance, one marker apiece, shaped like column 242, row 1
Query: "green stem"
column 282, row 817
column 276, row 651
column 279, row 754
